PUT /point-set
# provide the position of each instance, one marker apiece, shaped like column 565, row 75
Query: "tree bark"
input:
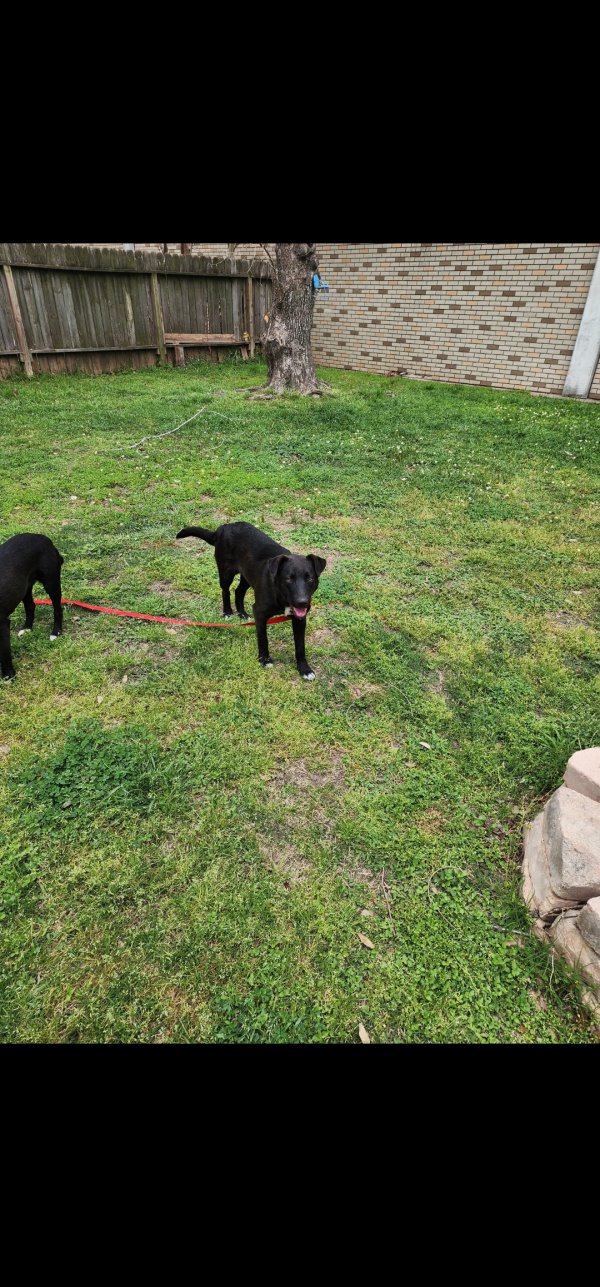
column 286, row 340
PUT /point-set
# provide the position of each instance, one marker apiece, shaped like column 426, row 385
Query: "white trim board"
column 586, row 352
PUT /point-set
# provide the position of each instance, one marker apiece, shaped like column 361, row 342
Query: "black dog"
column 281, row 581
column 23, row 560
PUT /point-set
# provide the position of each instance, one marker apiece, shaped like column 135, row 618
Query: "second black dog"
column 281, row 581
column 25, row 559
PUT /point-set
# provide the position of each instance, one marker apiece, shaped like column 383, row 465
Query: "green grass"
column 187, row 856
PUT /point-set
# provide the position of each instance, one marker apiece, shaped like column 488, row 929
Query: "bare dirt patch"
column 167, row 587
column 357, row 691
column 437, row 683
column 217, row 514
column 359, row 875
column 332, row 557
column 566, row 620
column 284, row 858
column 431, row 822
column 299, row 774
column 324, row 635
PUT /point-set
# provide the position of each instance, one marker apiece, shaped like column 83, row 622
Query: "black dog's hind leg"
column 243, row 585
column 261, row 619
column 29, row 607
column 6, row 665
column 51, row 583
column 225, row 579
column 299, row 628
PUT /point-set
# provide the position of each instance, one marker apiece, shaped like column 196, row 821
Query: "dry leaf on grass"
column 366, row 941
column 425, row 746
column 363, row 1034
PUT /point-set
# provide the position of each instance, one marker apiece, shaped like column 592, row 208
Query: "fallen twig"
column 386, row 893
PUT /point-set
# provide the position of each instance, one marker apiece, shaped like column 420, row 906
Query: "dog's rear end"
column 25, row 559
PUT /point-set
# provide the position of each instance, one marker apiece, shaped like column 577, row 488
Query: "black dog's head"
column 296, row 579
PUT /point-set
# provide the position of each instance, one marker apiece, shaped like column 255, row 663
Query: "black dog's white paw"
column 53, row 638
column 311, row 675
column 25, row 631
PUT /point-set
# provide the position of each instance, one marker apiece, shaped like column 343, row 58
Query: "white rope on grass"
column 152, row 436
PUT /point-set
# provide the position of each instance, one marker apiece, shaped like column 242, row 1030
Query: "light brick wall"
column 504, row 314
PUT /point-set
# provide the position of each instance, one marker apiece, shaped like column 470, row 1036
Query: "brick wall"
column 503, row 314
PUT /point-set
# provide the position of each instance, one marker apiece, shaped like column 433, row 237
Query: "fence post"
column 159, row 325
column 250, row 312
column 18, row 320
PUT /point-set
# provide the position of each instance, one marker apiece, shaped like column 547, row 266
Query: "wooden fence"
column 77, row 308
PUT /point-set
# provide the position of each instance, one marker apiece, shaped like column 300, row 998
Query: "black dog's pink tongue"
column 299, row 612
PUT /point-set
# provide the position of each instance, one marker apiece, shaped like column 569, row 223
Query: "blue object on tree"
column 319, row 284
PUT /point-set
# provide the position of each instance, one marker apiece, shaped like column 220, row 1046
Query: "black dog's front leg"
column 6, row 665
column 261, row 619
column 299, row 628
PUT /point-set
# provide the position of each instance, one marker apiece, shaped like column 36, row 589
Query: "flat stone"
column 583, row 772
column 589, row 925
column 572, row 836
column 537, row 890
column 568, row 940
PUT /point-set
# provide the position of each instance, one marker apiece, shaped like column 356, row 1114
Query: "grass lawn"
column 191, row 846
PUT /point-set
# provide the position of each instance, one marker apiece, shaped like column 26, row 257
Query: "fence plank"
column 8, row 335
column 51, row 307
column 159, row 328
column 250, row 312
column 40, row 306
column 200, row 337
column 18, row 321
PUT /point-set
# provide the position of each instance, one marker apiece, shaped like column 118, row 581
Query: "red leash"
column 170, row 621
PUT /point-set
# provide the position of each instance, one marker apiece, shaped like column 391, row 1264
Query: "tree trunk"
column 286, row 340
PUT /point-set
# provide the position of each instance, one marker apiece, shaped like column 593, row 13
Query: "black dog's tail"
column 202, row 532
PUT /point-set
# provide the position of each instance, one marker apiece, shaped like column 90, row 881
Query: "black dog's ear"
column 274, row 564
column 318, row 563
